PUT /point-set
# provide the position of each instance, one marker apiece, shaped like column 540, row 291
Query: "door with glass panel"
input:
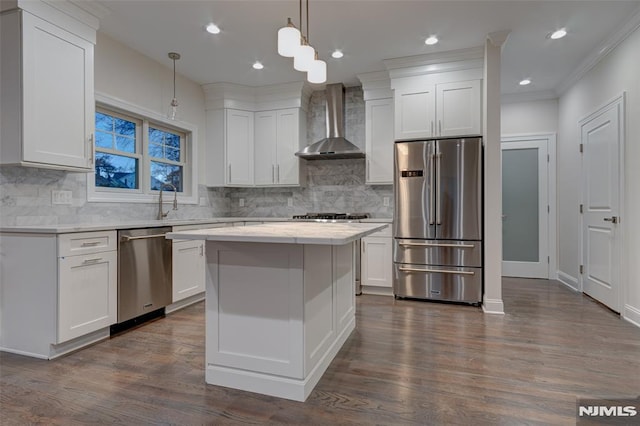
column 525, row 209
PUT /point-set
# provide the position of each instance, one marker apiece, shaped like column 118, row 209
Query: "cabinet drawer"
column 438, row 252
column 86, row 243
column 438, row 282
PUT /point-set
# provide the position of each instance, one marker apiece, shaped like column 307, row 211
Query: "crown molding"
column 262, row 98
column 603, row 49
column 375, row 85
column 435, row 62
column 539, row 95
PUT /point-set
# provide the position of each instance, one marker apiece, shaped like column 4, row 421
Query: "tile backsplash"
column 332, row 185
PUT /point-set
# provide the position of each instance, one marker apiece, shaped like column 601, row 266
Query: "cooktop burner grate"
column 333, row 216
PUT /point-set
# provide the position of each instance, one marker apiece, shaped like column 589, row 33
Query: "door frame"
column 617, row 102
column 552, row 234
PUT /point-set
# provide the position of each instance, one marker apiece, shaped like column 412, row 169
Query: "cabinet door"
column 188, row 269
column 239, row 147
column 415, row 114
column 58, row 100
column 376, row 261
column 287, row 164
column 265, row 148
column 87, row 293
column 459, row 108
column 379, row 141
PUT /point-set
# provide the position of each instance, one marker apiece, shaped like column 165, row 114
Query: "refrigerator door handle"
column 441, row 271
column 438, row 245
column 432, row 206
column 438, row 206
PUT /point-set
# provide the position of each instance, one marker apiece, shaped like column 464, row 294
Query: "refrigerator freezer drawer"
column 437, row 282
column 438, row 252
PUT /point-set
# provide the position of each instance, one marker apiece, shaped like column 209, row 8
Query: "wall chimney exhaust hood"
column 334, row 146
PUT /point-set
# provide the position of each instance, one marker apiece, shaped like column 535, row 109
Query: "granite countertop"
column 285, row 232
column 110, row 226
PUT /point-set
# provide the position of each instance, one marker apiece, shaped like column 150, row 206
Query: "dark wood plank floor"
column 407, row 362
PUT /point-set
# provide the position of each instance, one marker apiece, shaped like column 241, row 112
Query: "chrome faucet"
column 162, row 215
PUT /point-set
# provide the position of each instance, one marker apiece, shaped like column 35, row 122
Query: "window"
column 136, row 156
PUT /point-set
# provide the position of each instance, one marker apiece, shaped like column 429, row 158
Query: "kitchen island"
column 280, row 302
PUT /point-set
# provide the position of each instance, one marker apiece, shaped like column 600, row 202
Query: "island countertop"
column 285, row 233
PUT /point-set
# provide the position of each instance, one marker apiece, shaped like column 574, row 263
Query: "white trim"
column 568, row 280
column 618, row 101
column 191, row 131
column 631, row 314
column 493, row 306
column 603, row 49
column 552, row 222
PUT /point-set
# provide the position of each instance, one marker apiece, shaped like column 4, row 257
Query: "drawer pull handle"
column 440, row 271
column 88, row 261
column 91, row 244
column 438, row 245
column 126, row 238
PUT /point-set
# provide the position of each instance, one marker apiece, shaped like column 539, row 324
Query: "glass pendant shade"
column 304, row 58
column 318, row 72
column 288, row 40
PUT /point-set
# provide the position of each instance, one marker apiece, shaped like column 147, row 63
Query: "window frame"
column 144, row 194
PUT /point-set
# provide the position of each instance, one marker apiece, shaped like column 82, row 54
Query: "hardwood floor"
column 407, row 362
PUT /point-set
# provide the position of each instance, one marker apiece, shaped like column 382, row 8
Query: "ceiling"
column 367, row 31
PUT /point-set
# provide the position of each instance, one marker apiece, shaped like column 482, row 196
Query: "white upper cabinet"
column 278, row 137
column 253, row 134
column 239, row 147
column 415, row 114
column 379, row 141
column 438, row 110
column 458, row 108
column 47, row 94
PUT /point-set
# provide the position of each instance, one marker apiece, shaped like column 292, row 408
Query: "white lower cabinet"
column 188, row 268
column 87, row 293
column 59, row 292
column 376, row 263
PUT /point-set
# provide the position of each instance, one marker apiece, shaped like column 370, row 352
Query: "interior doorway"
column 528, row 206
column 601, row 138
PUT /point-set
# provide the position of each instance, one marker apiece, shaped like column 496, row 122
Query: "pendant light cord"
column 174, row 78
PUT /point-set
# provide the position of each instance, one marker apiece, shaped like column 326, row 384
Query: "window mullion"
column 146, row 173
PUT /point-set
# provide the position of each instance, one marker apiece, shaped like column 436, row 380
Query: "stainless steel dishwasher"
column 144, row 271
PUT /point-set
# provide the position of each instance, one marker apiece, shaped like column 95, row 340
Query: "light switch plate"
column 290, row 202
column 385, row 201
column 241, row 202
column 61, row 197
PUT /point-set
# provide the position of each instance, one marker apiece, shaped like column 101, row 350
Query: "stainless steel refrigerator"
column 437, row 225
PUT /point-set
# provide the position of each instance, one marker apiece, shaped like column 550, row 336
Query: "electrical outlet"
column 385, row 201
column 290, row 202
column 203, row 201
column 241, row 202
column 61, row 197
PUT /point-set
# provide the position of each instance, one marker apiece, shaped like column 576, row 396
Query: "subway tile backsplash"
column 332, row 186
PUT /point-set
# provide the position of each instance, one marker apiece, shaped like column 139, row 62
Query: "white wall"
column 529, row 117
column 618, row 72
column 123, row 73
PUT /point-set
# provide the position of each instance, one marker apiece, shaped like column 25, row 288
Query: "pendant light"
column 174, row 102
column 293, row 43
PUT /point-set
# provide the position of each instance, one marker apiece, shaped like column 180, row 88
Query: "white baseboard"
column 493, row 306
column 569, row 281
column 631, row 315
column 184, row 303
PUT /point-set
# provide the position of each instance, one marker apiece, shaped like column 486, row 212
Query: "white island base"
column 276, row 314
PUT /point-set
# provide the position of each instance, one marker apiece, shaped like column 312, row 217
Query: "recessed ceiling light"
column 257, row 65
column 558, row 34
column 212, row 28
column 525, row 82
column 337, row 54
column 431, row 40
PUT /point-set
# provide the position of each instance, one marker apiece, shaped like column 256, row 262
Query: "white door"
column 265, row 148
column 414, row 114
column 379, row 141
column 601, row 144
column 525, row 209
column 287, row 164
column 239, row 147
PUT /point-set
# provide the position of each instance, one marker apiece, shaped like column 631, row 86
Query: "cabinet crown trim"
column 263, row 98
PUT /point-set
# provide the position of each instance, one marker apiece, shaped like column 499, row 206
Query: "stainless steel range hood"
column 334, row 146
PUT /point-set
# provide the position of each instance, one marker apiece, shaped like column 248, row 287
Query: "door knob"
column 612, row 219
